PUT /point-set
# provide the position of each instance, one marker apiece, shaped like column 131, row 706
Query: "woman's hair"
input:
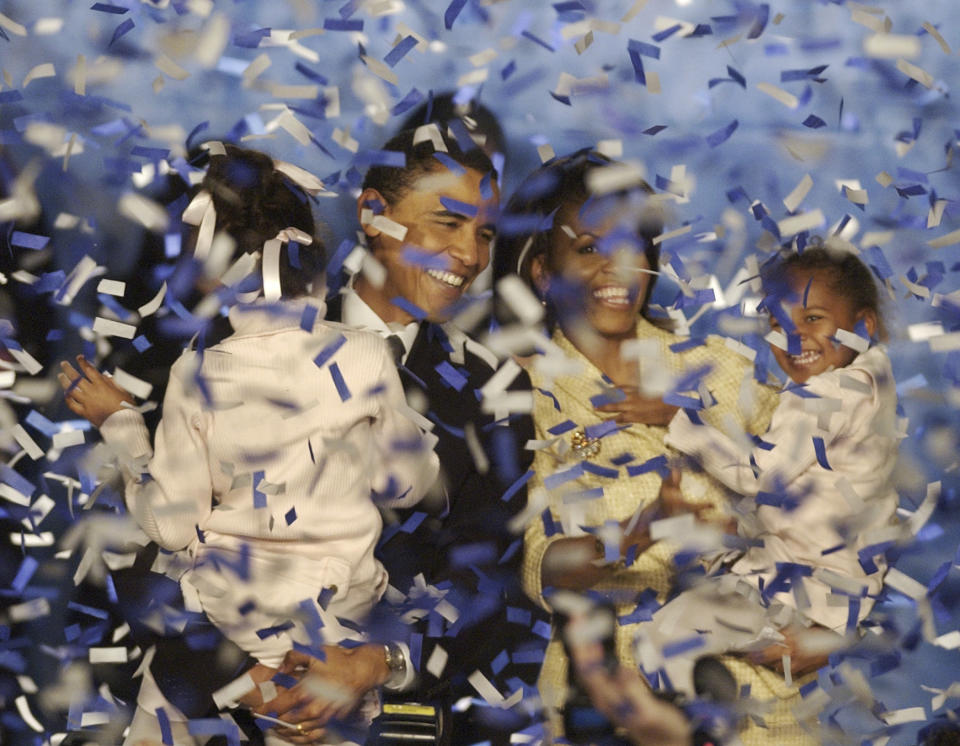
column 423, row 157
column 526, row 225
column 254, row 202
column 846, row 276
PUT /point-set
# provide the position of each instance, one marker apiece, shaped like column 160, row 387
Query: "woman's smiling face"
column 594, row 271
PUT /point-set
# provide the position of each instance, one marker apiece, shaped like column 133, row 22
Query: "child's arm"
column 795, row 425
column 174, row 496
column 407, row 466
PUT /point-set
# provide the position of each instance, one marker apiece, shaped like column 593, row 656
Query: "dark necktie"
column 397, row 349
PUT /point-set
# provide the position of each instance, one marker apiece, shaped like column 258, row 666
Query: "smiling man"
column 430, row 224
column 430, row 229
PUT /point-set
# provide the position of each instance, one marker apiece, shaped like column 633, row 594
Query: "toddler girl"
column 272, row 441
column 818, row 483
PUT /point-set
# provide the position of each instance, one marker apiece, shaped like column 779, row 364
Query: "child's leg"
column 706, row 620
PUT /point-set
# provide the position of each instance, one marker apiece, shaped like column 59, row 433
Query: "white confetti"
column 390, row 227
column 792, row 201
column 784, row 97
column 906, row 715
column 916, row 73
column 111, row 328
column 27, row 443
column 802, row 222
column 142, row 210
column 891, row 46
column 437, row 661
column 45, row 70
column 151, row 306
column 112, row 287
column 67, row 438
column 108, row 655
column 23, row 708
column 137, row 387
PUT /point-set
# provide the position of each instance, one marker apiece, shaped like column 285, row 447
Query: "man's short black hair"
column 423, row 156
column 479, row 120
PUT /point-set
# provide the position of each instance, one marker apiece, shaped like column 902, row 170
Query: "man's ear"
column 869, row 318
column 540, row 276
column 366, row 203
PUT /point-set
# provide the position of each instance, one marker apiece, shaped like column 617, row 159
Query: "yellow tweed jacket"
column 740, row 403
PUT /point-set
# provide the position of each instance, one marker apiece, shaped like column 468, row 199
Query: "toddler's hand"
column 89, row 393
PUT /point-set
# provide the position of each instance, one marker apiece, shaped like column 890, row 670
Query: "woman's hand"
column 628, row 702
column 89, row 393
column 328, row 689
column 802, row 660
column 639, row 409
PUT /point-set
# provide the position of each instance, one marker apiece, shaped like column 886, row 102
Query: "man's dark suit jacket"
column 465, row 550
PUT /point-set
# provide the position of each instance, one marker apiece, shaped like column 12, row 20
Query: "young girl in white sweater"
column 276, row 443
column 818, row 486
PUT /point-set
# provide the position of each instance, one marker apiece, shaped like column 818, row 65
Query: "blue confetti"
column 400, row 50
column 821, row 450
column 666, row 33
column 537, row 40
column 814, row 122
column 329, row 351
column 141, row 343
column 342, row 390
column 166, row 734
column 657, row 464
column 723, row 134
column 308, row 317
column 413, row 98
column 563, row 427
column 763, row 14
column 499, row 662
column 342, row 24
column 641, row 47
column 451, row 13
column 413, row 522
column 542, row 629
column 637, row 63
column 28, row 240
column 462, row 208
column 451, row 376
column 109, row 8
column 414, row 310
column 28, row 566
column 259, row 498
column 310, row 74
column 601, row 429
column 553, row 481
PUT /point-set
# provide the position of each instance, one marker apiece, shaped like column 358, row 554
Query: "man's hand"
column 328, row 690
column 639, row 409
column 89, row 393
